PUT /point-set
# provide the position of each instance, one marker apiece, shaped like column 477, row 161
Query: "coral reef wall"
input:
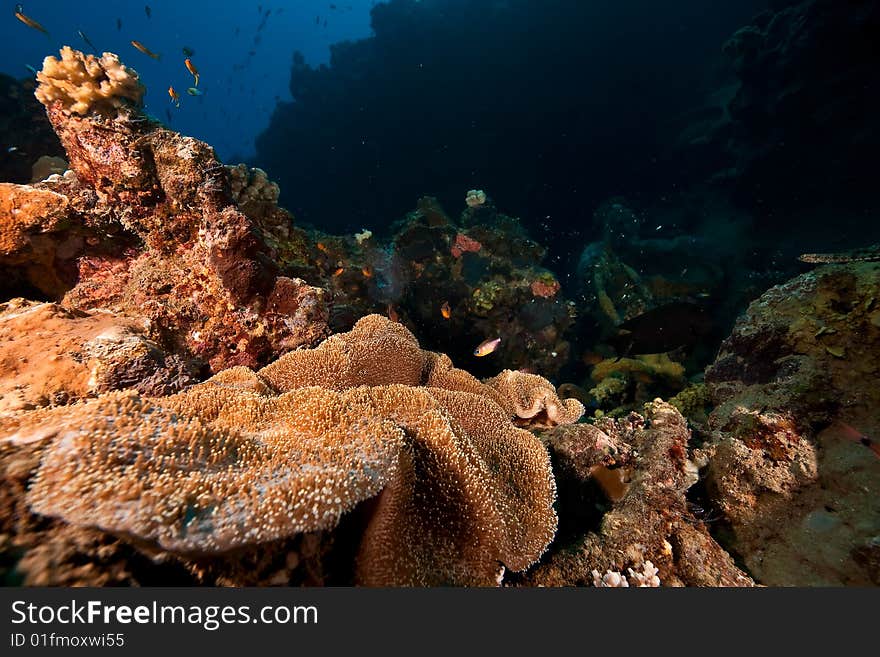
column 447, row 96
column 792, row 133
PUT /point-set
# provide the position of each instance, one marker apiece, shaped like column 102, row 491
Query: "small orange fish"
column 851, row 433
column 338, row 272
column 175, row 97
column 27, row 20
column 392, row 313
column 322, row 247
column 445, row 310
column 367, row 271
column 145, row 50
column 192, row 69
column 487, row 347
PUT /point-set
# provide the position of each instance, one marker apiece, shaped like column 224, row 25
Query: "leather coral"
column 248, row 457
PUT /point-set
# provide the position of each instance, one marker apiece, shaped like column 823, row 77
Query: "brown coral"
column 50, row 355
column 250, row 457
column 216, row 468
column 528, row 395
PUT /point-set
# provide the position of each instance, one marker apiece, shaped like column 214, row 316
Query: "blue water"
column 240, row 91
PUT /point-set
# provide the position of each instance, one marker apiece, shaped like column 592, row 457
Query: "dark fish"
column 188, row 52
column 86, row 39
column 168, row 114
column 868, row 254
column 148, row 11
column 118, row 24
column 663, row 329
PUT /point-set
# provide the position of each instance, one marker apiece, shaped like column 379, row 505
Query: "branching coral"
column 645, row 578
column 84, row 82
column 250, row 457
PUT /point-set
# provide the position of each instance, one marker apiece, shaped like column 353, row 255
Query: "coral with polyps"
column 247, row 458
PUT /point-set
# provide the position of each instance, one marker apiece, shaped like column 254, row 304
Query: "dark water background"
column 552, row 107
column 240, row 89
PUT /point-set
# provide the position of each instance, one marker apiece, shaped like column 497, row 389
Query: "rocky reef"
column 197, row 390
column 623, row 504
column 791, row 467
column 158, row 266
column 145, row 224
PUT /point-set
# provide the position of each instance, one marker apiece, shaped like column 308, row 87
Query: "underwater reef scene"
column 474, row 314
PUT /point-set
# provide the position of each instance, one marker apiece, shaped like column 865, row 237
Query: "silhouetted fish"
column 662, row 329
column 83, row 36
column 868, row 254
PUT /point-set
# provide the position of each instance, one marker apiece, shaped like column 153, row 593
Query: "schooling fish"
column 446, row 310
column 27, row 20
column 392, row 313
column 145, row 50
column 86, row 39
column 192, row 91
column 118, row 24
column 175, row 97
column 188, row 52
column 487, row 347
column 31, row 69
column 192, row 69
column 148, row 11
